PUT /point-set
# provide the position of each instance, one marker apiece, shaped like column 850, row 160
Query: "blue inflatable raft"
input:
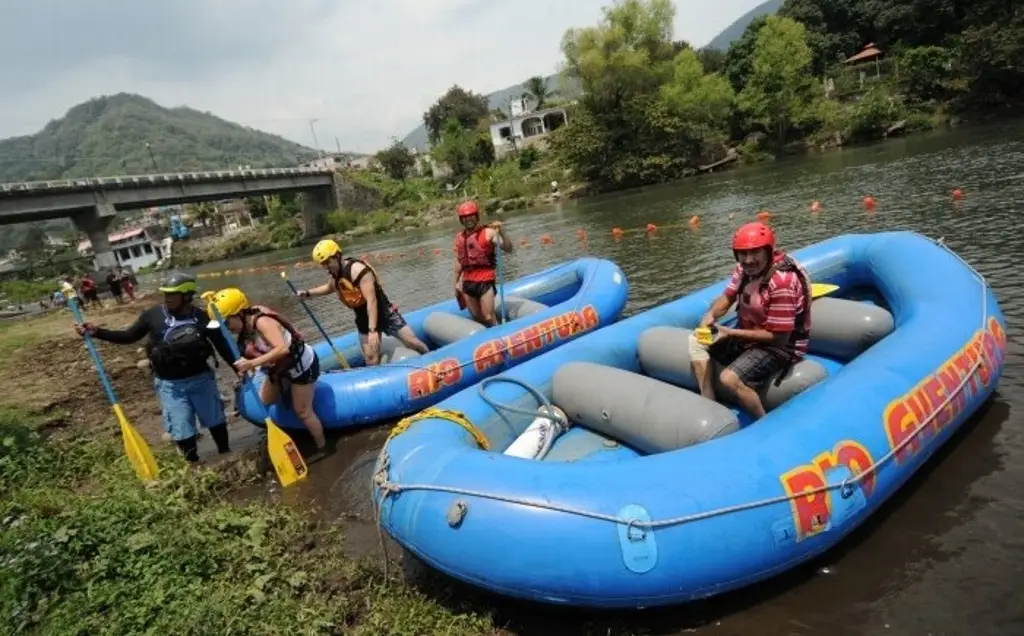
column 544, row 311
column 655, row 495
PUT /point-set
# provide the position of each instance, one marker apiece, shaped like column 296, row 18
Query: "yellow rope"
column 454, row 417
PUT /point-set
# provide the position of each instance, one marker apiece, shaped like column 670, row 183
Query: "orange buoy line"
column 869, row 203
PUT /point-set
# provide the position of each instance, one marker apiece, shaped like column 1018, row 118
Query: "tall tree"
column 396, row 160
column 465, row 107
column 741, row 52
column 780, row 86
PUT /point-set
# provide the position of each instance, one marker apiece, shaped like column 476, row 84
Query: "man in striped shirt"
column 772, row 296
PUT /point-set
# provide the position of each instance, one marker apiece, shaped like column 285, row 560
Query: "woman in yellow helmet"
column 358, row 287
column 268, row 341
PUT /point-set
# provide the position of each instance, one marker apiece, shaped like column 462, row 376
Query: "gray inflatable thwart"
column 844, row 329
column 444, row 328
column 664, row 354
column 519, row 307
column 392, row 350
column 646, row 414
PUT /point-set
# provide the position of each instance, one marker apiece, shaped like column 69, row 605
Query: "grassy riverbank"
column 86, row 548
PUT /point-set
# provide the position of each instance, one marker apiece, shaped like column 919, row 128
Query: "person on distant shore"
column 475, row 262
column 90, row 292
column 773, row 304
column 114, row 285
column 126, row 283
column 267, row 340
column 359, row 288
column 181, row 340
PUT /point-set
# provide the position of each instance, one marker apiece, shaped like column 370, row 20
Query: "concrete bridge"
column 93, row 203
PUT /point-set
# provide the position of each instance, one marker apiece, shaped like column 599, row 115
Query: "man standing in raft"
column 475, row 262
column 773, row 299
column 358, row 287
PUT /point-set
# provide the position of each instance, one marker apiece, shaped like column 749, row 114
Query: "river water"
column 946, row 556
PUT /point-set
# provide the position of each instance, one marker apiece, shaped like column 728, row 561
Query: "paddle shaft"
column 319, row 327
column 246, row 380
column 97, row 362
column 501, row 274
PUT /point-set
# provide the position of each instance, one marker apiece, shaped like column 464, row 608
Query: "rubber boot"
column 188, row 449
column 219, row 434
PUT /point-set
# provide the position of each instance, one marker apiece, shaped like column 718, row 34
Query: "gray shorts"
column 752, row 364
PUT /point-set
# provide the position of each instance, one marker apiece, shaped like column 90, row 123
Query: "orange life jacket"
column 476, row 255
column 348, row 291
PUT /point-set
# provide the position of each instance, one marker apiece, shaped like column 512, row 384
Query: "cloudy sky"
column 366, row 69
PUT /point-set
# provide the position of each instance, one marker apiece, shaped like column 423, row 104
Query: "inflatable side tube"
column 444, row 328
column 646, row 414
column 519, row 307
column 844, row 329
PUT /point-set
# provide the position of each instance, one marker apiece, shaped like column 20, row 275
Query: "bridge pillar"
column 316, row 203
column 96, row 226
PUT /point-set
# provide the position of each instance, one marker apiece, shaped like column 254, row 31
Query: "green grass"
column 85, row 548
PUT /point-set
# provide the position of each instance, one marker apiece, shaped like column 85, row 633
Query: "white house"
column 525, row 128
column 133, row 248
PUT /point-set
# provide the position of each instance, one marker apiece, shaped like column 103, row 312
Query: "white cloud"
column 366, row 70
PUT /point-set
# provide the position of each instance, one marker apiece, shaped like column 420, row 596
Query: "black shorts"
column 92, row 294
column 752, row 364
column 310, row 375
column 477, row 289
column 389, row 321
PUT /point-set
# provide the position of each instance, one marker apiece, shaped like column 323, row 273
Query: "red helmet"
column 753, row 236
column 467, row 208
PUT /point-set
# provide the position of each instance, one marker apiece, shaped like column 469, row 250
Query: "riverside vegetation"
column 85, row 548
column 653, row 109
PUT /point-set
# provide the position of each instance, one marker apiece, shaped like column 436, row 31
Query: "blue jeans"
column 183, row 401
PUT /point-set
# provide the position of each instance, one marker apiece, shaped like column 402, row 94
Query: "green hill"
column 736, row 29
column 107, row 136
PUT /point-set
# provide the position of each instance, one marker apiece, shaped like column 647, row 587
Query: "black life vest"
column 182, row 343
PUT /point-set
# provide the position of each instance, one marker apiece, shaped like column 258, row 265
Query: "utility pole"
column 152, row 158
column 315, row 142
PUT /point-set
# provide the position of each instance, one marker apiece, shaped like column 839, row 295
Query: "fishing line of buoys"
column 868, row 202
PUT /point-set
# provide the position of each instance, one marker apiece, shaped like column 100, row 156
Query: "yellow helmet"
column 324, row 250
column 228, row 302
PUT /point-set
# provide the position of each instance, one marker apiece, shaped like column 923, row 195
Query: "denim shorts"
column 187, row 400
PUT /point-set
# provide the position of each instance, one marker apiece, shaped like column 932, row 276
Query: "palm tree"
column 536, row 89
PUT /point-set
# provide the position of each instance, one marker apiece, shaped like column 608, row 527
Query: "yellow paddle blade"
column 139, row 454
column 285, row 457
column 822, row 289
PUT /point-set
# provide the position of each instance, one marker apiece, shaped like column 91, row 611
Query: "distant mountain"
column 736, row 29
column 567, row 88
column 107, row 136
